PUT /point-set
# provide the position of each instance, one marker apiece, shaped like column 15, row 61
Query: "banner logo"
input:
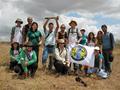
column 78, row 53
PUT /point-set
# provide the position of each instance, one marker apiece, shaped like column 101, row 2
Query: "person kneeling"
column 14, row 54
column 28, row 60
column 61, row 62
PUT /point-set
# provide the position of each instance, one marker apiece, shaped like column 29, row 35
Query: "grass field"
column 47, row 81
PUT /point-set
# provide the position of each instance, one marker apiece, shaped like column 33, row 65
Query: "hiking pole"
column 78, row 79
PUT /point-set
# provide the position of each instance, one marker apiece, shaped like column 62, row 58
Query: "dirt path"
column 47, row 81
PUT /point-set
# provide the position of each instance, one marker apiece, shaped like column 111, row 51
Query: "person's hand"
column 25, row 43
column 77, row 42
column 67, row 63
column 40, row 43
column 26, row 63
column 57, row 18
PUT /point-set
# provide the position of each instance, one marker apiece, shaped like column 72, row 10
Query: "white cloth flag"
column 81, row 54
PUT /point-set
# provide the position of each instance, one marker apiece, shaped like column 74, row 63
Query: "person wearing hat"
column 83, row 38
column 61, row 62
column 108, row 44
column 26, row 28
column 28, row 60
column 73, row 37
column 98, row 63
column 14, row 54
column 99, row 59
column 16, row 33
column 62, row 34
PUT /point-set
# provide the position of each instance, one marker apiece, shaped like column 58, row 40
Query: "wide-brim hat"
column 97, row 48
column 14, row 43
column 28, row 44
column 61, row 41
column 73, row 21
column 29, row 18
column 19, row 20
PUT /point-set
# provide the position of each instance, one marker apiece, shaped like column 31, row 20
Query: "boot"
column 25, row 75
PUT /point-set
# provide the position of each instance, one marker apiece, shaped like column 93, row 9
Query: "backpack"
column 69, row 31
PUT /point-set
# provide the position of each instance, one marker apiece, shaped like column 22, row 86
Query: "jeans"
column 47, row 50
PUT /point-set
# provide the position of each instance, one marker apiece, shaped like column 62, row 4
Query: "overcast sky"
column 90, row 14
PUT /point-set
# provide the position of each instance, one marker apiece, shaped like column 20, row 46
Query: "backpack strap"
column 12, row 33
column 77, row 34
column 111, row 40
column 48, row 35
column 69, row 31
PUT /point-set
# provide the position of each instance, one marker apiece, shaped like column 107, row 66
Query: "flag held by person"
column 81, row 54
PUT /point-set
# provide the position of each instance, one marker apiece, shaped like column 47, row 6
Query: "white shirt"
column 72, row 36
column 18, row 35
column 91, row 44
column 51, row 39
column 61, row 55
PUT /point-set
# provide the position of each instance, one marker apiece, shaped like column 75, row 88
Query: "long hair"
column 99, row 32
column 33, row 24
column 89, row 38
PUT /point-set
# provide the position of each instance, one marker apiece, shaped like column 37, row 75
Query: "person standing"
column 83, row 38
column 107, row 48
column 73, row 37
column 16, row 33
column 62, row 34
column 35, row 37
column 26, row 28
column 50, row 41
column 99, row 40
column 91, row 39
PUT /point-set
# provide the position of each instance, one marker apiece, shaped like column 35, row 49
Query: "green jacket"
column 14, row 57
column 24, row 57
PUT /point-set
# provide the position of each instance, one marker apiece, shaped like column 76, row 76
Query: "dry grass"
column 46, row 81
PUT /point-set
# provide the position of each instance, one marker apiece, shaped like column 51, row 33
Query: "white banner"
column 81, row 54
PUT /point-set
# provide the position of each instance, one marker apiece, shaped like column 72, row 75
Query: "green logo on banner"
column 78, row 53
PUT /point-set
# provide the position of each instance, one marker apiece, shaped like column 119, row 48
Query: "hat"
column 97, row 48
column 82, row 30
column 14, row 43
column 19, row 20
column 29, row 44
column 72, row 21
column 61, row 41
column 29, row 18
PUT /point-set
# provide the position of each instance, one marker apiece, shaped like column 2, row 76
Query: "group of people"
column 25, row 42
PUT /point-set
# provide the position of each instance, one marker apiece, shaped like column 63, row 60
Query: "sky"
column 89, row 14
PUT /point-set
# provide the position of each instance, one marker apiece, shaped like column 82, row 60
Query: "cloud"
column 83, row 11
